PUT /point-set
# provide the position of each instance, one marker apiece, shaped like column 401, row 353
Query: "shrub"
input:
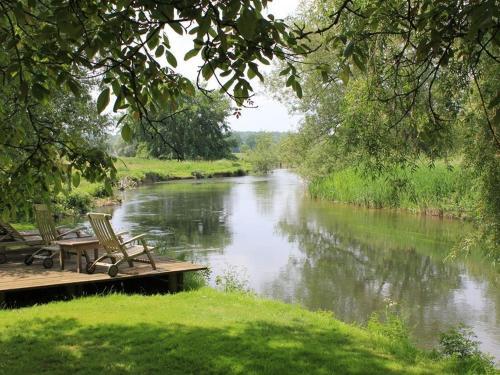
column 100, row 192
column 78, row 202
column 196, row 280
column 461, row 344
column 391, row 326
column 233, row 280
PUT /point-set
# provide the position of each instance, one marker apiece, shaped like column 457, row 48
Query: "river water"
column 351, row 261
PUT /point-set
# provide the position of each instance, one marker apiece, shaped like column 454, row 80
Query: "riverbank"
column 437, row 191
column 203, row 331
column 132, row 172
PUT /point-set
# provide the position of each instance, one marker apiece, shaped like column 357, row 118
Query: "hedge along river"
column 321, row 255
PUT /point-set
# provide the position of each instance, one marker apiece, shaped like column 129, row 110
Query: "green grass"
column 435, row 191
column 138, row 168
column 203, row 331
column 86, row 195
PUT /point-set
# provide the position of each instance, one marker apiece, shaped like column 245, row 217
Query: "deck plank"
column 17, row 276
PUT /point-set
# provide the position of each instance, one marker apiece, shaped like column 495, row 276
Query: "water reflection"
column 321, row 255
column 182, row 218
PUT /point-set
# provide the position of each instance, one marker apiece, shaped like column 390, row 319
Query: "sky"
column 270, row 114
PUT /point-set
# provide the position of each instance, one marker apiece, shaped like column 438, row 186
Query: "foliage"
column 410, row 50
column 439, row 190
column 78, row 202
column 187, row 332
column 35, row 168
column 233, row 279
column 56, row 46
column 391, row 325
column 461, row 342
column 247, row 140
column 393, row 83
column 196, row 280
column 198, row 130
column 264, row 156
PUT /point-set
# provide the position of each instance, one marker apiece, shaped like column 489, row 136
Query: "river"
column 351, row 261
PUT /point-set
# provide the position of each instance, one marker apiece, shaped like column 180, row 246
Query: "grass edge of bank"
column 133, row 172
column 437, row 191
column 206, row 330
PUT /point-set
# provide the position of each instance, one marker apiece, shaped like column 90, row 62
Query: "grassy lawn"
column 138, row 168
column 203, row 331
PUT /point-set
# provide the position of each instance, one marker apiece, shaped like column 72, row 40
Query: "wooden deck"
column 15, row 276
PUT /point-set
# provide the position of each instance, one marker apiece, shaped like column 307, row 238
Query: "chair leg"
column 87, row 258
column 130, row 263
column 61, row 259
column 151, row 260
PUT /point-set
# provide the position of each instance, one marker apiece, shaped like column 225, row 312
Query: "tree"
column 32, row 166
column 264, row 156
column 394, row 81
column 52, row 46
column 198, row 130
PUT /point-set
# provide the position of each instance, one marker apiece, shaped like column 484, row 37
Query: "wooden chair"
column 50, row 234
column 117, row 250
column 10, row 237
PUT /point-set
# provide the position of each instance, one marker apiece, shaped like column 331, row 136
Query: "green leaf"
column 495, row 101
column 191, row 54
column 298, row 89
column 103, row 100
column 324, row 76
column 348, row 50
column 171, row 58
column 40, row 92
column 126, row 133
column 496, row 118
column 250, row 73
column 345, row 74
column 188, row 87
column 108, row 187
column 247, row 23
column 176, row 26
column 159, row 51
column 207, row 71
column 284, row 72
column 76, row 179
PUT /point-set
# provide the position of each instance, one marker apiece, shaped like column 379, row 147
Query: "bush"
column 233, row 280
column 100, row 192
column 461, row 344
column 391, row 326
column 78, row 202
column 196, row 280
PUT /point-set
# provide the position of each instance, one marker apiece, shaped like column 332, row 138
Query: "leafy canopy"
column 54, row 46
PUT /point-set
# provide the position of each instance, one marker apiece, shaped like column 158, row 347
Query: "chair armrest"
column 140, row 236
column 75, row 230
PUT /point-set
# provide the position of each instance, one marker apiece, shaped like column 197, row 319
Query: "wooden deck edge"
column 102, row 278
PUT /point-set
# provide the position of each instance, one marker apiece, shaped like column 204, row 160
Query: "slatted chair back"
column 105, row 233
column 46, row 224
column 9, row 233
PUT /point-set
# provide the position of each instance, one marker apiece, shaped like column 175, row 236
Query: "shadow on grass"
column 64, row 346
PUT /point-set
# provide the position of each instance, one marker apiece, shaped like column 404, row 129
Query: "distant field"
column 138, row 168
